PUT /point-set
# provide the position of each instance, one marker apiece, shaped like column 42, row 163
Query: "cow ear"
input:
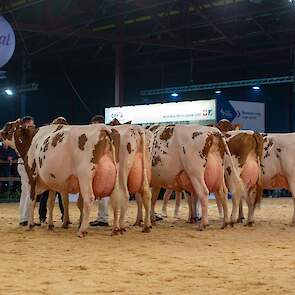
column 237, row 127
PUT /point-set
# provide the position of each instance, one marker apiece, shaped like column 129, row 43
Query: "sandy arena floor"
column 174, row 258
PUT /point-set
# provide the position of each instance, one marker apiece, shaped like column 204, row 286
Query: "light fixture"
column 256, row 88
column 8, row 92
column 217, row 91
column 174, row 94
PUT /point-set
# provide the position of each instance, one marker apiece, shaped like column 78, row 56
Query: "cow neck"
column 23, row 138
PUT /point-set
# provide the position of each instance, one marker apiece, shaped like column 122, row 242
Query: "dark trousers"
column 43, row 206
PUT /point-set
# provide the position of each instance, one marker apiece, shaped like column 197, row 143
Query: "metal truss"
column 220, row 85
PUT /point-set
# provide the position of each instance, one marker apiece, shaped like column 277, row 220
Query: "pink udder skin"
column 213, row 172
column 105, row 177
column 135, row 177
column 250, row 173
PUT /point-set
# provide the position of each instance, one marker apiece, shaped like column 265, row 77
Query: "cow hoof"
column 30, row 227
column 146, row 229
column 51, row 227
column 241, row 220
column 82, row 234
column 138, row 223
column 65, row 226
column 250, row 223
column 224, row 225
column 122, row 230
column 292, row 224
column 232, row 224
column 153, row 222
column 115, row 232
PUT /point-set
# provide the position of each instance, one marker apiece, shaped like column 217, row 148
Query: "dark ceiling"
column 212, row 34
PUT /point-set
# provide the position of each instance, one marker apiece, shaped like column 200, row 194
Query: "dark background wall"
column 94, row 83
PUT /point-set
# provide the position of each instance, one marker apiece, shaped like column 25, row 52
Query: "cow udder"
column 135, row 177
column 213, row 172
column 105, row 177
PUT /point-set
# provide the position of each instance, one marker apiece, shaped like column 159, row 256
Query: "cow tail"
column 259, row 184
column 239, row 185
column 144, row 160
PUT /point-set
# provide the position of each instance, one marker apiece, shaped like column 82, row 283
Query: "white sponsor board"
column 172, row 112
column 250, row 115
column 7, row 41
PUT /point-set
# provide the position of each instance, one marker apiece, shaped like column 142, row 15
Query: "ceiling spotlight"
column 256, row 88
column 8, row 92
column 218, row 91
column 174, row 94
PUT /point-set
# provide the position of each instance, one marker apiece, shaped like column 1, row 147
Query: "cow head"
column 116, row 122
column 225, row 126
column 18, row 136
column 8, row 131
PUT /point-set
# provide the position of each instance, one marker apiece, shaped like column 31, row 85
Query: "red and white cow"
column 67, row 159
column 277, row 165
column 191, row 158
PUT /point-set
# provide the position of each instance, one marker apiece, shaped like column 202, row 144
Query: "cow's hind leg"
column 31, row 223
column 66, row 217
column 241, row 217
column 221, row 197
column 80, row 207
column 251, row 207
column 155, row 194
column 192, row 206
column 201, row 189
column 88, row 200
column 139, row 218
column 146, row 199
column 178, row 197
column 123, row 210
column 292, row 190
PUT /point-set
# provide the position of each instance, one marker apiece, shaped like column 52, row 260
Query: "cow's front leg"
column 50, row 206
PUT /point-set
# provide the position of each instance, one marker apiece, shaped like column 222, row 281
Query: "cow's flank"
column 82, row 141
